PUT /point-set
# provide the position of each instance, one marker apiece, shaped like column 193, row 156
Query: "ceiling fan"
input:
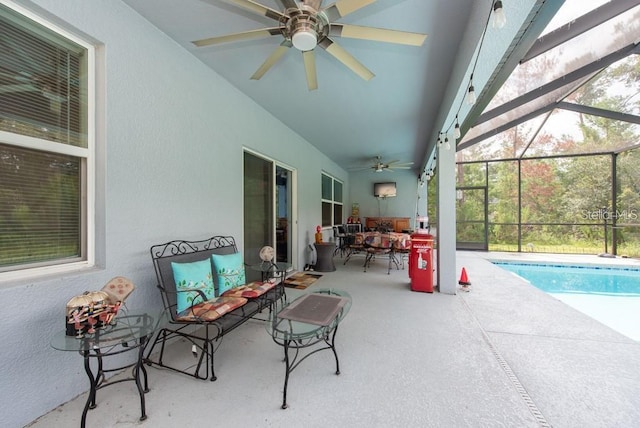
column 305, row 24
column 380, row 166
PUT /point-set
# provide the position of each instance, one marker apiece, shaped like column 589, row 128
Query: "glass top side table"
column 311, row 319
column 269, row 269
column 129, row 332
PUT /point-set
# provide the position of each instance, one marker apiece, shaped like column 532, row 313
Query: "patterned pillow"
column 192, row 275
column 212, row 309
column 118, row 289
column 229, row 271
column 251, row 290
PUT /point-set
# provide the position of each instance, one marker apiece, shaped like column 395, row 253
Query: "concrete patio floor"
column 504, row 354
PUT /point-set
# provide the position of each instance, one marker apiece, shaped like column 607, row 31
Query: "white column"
column 421, row 202
column 446, row 230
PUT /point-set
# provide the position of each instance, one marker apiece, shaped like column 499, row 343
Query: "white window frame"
column 88, row 156
column 332, row 201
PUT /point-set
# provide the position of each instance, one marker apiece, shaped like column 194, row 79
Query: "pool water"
column 578, row 279
column 607, row 294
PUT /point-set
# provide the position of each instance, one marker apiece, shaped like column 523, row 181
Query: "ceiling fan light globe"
column 304, row 40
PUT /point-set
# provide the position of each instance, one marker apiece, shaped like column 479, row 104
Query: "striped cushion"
column 211, row 309
column 249, row 291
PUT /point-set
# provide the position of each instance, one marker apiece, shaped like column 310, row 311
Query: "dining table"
column 383, row 243
column 396, row 240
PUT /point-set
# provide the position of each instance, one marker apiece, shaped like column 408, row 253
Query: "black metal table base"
column 97, row 380
column 297, row 345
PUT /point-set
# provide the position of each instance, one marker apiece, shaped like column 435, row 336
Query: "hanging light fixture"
column 471, row 94
column 456, row 129
column 303, row 28
column 446, row 143
column 499, row 18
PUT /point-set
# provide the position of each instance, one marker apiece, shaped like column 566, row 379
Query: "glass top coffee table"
column 311, row 319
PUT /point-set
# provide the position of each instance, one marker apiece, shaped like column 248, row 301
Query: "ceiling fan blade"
column 316, row 4
column 271, row 60
column 289, row 4
column 395, row 163
column 236, row 37
column 258, row 9
column 342, row 8
column 310, row 69
column 346, row 58
column 377, row 34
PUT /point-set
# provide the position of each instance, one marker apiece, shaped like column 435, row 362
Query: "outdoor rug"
column 301, row 280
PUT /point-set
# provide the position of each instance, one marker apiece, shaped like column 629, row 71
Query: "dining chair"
column 379, row 244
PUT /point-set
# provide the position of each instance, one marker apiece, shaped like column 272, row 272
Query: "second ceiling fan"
column 379, row 165
column 305, row 25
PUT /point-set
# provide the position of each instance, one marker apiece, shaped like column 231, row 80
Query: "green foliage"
column 558, row 200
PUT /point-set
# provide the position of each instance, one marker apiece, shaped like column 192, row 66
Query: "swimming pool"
column 610, row 295
column 578, row 279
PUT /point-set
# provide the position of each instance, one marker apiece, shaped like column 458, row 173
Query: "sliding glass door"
column 284, row 196
column 268, row 208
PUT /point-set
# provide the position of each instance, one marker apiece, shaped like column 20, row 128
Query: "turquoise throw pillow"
column 192, row 275
column 229, row 271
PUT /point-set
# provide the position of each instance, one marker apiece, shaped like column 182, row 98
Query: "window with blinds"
column 44, row 144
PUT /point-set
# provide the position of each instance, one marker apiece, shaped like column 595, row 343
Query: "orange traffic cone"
column 463, row 278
